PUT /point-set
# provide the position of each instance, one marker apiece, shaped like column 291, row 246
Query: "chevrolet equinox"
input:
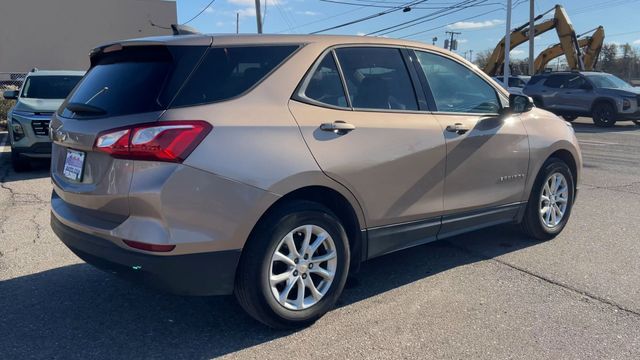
column 271, row 166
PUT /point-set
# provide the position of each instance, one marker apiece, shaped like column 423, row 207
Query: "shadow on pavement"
column 621, row 126
column 39, row 167
column 79, row 312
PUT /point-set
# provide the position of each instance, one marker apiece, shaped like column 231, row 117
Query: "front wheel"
column 550, row 202
column 294, row 266
column 569, row 118
column 637, row 122
column 18, row 163
column 604, row 115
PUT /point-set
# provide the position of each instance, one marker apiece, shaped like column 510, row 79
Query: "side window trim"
column 342, row 79
column 410, row 61
column 298, row 94
column 499, row 98
column 424, row 83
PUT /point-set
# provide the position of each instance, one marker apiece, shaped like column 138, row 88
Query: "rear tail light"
column 170, row 141
column 149, row 247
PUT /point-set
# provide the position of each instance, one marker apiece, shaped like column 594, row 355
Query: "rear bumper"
column 199, row 274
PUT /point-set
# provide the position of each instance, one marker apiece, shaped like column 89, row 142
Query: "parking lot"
column 490, row 294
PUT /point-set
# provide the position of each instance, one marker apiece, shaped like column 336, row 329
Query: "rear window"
column 136, row 79
column 49, row 87
column 227, row 72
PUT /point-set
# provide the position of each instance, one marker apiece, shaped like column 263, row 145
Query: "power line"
column 434, row 15
column 372, row 16
column 200, row 13
column 451, row 23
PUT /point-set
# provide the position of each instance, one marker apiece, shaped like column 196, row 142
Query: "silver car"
column 604, row 97
column 40, row 96
column 272, row 166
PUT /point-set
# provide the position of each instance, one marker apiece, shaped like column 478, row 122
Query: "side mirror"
column 520, row 103
column 10, row 94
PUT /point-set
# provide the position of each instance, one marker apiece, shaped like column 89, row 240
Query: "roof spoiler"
column 183, row 30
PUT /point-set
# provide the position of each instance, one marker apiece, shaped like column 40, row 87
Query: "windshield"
column 608, row 81
column 49, row 87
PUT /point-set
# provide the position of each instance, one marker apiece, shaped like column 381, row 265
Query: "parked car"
column 272, row 166
column 516, row 81
column 604, row 97
column 41, row 94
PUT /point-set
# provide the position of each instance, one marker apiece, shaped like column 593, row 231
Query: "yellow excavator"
column 590, row 48
column 519, row 35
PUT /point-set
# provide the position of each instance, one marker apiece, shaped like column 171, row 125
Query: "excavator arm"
column 553, row 52
column 590, row 45
column 519, row 35
column 592, row 50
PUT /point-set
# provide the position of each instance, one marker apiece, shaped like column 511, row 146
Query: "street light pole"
column 532, row 35
column 258, row 17
column 507, row 47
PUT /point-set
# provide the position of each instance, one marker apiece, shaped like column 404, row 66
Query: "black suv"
column 604, row 97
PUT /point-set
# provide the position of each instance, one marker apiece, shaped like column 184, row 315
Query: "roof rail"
column 183, row 30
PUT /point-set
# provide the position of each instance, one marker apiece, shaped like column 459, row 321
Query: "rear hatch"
column 128, row 84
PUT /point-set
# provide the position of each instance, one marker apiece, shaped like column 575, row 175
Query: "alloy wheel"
column 302, row 268
column 554, row 200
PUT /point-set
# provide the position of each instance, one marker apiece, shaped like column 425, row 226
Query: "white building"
column 58, row 34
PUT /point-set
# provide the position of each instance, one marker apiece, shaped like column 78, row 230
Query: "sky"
column 481, row 25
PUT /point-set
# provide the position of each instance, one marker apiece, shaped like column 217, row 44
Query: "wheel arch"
column 567, row 157
column 603, row 100
column 348, row 213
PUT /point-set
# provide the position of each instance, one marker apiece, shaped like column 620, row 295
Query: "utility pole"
column 450, row 44
column 237, row 23
column 507, row 47
column 258, row 17
column 532, row 35
column 471, row 55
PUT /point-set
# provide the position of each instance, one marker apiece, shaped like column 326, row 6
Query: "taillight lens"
column 170, row 141
column 149, row 247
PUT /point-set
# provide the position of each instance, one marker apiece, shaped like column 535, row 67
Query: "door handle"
column 337, row 127
column 457, row 128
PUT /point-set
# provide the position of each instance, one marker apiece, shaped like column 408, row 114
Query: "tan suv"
column 272, row 166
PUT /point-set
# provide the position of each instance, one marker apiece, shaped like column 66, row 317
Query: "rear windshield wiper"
column 82, row 108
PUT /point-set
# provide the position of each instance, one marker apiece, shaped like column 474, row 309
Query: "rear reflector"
column 170, row 141
column 149, row 247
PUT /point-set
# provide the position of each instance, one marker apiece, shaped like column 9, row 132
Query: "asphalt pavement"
column 491, row 294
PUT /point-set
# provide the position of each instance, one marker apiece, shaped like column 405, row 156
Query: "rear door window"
column 377, row 78
column 556, row 81
column 325, row 85
column 136, row 79
column 227, row 72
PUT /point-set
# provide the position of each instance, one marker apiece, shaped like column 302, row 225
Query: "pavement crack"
column 617, row 188
column 550, row 281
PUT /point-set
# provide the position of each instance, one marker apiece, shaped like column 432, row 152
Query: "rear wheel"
column 19, row 163
column 294, row 266
column 569, row 118
column 604, row 115
column 550, row 202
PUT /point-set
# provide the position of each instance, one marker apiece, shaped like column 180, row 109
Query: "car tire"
column 18, row 163
column 637, row 122
column 604, row 115
column 545, row 225
column 272, row 300
column 569, row 118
